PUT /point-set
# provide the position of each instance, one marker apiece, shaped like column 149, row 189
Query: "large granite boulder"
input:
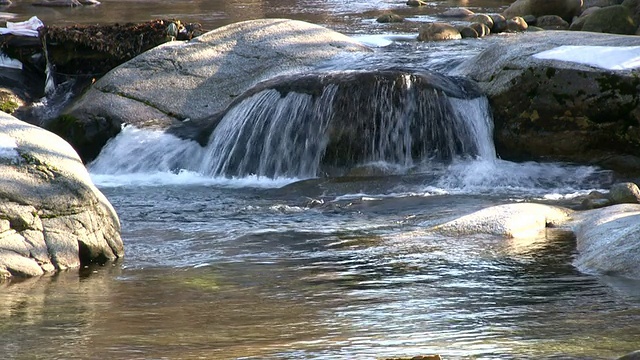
column 608, row 241
column 179, row 81
column 51, row 215
column 566, row 9
column 561, row 110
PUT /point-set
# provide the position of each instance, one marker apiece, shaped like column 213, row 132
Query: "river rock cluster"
column 604, row 16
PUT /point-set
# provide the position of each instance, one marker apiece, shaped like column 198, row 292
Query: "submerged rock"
column 178, row 81
column 389, row 18
column 51, row 215
column 510, row 220
column 560, row 110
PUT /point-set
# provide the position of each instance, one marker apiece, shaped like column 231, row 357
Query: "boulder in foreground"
column 608, row 241
column 52, row 217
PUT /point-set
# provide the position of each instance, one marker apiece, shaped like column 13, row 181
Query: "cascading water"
column 314, row 125
column 305, row 126
column 270, row 135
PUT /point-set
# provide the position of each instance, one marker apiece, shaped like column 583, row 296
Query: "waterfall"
column 302, row 126
column 310, row 125
column 270, row 135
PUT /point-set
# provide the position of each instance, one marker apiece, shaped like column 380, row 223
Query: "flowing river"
column 298, row 267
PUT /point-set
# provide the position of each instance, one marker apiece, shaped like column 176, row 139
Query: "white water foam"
column 142, row 157
column 496, row 176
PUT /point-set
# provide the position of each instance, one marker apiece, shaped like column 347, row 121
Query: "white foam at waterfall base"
column 500, row 177
column 143, row 157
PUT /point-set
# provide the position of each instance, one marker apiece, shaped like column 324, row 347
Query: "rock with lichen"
column 560, row 110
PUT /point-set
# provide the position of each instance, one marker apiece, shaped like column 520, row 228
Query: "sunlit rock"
column 51, row 215
column 438, row 32
column 510, row 220
column 626, row 192
column 516, row 24
column 608, row 240
column 179, row 80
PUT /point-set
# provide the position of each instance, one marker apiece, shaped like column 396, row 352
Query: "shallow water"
column 224, row 272
column 345, row 268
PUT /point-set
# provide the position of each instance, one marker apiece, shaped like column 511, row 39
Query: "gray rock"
column 461, row 13
column 557, row 109
column 530, row 19
column 631, row 356
column 600, row 3
column 516, row 24
column 626, row 192
column 552, row 22
column 634, row 8
column 469, row 32
column 53, row 217
column 608, row 240
column 438, row 32
column 191, row 80
column 481, row 29
column 511, row 220
column 482, row 19
column 389, row 18
column 612, row 19
column 499, row 23
column 57, row 3
column 566, row 9
column 416, row 3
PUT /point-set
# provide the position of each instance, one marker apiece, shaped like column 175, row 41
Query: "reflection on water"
column 241, row 273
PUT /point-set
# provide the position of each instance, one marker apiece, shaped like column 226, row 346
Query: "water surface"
column 345, row 268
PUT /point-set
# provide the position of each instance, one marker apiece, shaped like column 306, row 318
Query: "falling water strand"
column 397, row 122
column 50, row 84
column 270, row 135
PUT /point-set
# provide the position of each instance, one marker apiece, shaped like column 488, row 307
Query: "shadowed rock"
column 560, row 110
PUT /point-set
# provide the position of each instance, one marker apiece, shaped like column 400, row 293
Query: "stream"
column 299, row 267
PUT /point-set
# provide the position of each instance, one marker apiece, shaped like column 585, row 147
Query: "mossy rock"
column 9, row 102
